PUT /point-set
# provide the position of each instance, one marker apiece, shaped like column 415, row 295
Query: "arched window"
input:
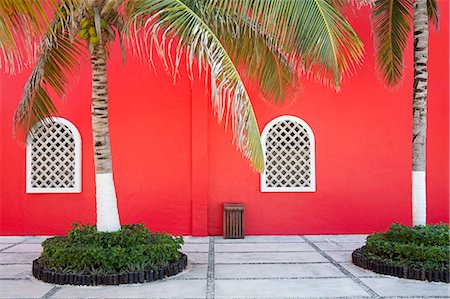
column 288, row 145
column 53, row 157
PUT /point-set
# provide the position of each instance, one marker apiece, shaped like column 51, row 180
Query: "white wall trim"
column 264, row 135
column 77, row 171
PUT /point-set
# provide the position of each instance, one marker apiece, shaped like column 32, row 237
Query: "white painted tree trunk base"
column 107, row 212
column 419, row 199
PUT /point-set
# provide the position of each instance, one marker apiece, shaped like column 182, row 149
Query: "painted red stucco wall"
column 174, row 165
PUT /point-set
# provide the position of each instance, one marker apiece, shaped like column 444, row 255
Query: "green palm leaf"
column 175, row 19
column 19, row 22
column 59, row 58
column 391, row 26
column 316, row 34
column 260, row 59
column 22, row 23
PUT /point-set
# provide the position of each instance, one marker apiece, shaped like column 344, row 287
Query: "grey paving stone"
column 18, row 258
column 332, row 246
column 5, row 245
column 170, row 288
column 35, row 239
column 268, row 257
column 257, row 247
column 287, row 288
column 197, row 257
column 337, row 238
column 261, row 239
column 191, row 239
column 358, row 271
column 11, row 239
column 25, row 248
column 23, row 288
column 15, row 271
column 195, row 247
column 341, row 256
column 276, row 271
column 194, row 271
column 393, row 286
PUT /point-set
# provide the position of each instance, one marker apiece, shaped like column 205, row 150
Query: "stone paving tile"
column 11, row 239
column 331, row 246
column 15, row 271
column 268, row 257
column 197, row 257
column 287, row 288
column 18, row 258
column 5, row 245
column 23, row 288
column 341, row 256
column 337, row 238
column 190, row 239
column 261, row 239
column 36, row 239
column 276, row 271
column 195, row 247
column 393, row 286
column 358, row 271
column 25, row 248
column 194, row 271
column 170, row 288
column 252, row 247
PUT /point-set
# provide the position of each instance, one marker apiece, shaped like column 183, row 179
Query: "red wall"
column 174, row 165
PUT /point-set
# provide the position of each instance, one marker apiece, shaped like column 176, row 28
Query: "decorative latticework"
column 53, row 157
column 289, row 156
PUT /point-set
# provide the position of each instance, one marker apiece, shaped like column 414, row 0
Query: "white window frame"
column 264, row 135
column 77, row 175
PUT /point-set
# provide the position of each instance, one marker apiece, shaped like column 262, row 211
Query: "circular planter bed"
column 132, row 254
column 419, row 252
column 359, row 259
column 111, row 279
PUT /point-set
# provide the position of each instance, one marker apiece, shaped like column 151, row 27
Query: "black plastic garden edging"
column 398, row 271
column 112, row 279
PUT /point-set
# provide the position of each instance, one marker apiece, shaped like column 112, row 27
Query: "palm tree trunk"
column 107, row 213
column 419, row 112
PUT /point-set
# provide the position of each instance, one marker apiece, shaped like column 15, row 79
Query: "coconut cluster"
column 88, row 31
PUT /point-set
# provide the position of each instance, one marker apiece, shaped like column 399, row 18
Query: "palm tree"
column 276, row 41
column 391, row 21
column 391, row 24
column 419, row 112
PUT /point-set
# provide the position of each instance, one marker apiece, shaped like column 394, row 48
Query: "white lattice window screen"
column 54, row 157
column 288, row 144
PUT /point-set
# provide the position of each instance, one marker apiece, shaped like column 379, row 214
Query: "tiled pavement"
column 255, row 267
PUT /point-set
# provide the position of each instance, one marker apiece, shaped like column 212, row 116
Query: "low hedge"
column 419, row 248
column 84, row 251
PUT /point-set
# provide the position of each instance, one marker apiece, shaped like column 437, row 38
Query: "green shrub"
column 428, row 235
column 419, row 247
column 86, row 251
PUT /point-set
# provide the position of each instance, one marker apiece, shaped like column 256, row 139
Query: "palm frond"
column 175, row 19
column 433, row 12
column 391, row 25
column 259, row 57
column 59, row 58
column 321, row 41
column 22, row 23
column 356, row 3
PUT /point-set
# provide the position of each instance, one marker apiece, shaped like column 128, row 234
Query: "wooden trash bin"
column 233, row 221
